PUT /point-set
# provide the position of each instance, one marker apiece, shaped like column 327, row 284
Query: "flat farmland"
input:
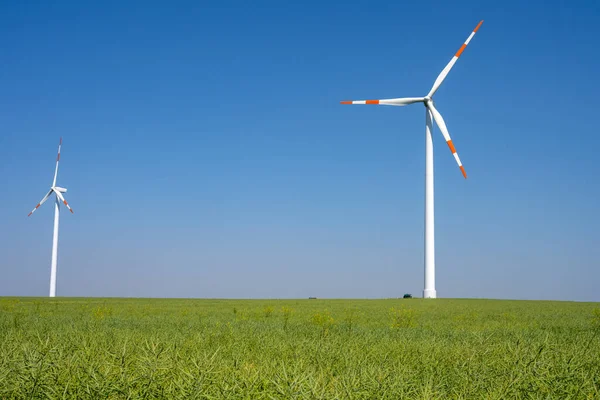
column 77, row 348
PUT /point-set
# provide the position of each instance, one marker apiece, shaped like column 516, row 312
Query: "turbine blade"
column 60, row 196
column 446, row 70
column 403, row 101
column 41, row 202
column 442, row 125
column 57, row 160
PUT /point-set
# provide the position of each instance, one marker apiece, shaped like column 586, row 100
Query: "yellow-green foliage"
column 102, row 312
column 303, row 349
column 287, row 314
column 403, row 317
column 323, row 320
column 268, row 310
column 596, row 317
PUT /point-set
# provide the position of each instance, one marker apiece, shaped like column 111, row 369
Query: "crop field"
column 305, row 349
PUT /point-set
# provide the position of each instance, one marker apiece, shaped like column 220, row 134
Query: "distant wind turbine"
column 58, row 191
column 429, row 289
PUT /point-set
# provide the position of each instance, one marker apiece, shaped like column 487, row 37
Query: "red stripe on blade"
column 459, row 52
column 452, row 149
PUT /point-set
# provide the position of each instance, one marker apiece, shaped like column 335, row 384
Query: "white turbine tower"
column 58, row 191
column 429, row 289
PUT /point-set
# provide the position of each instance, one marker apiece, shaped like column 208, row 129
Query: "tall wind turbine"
column 58, row 191
column 429, row 289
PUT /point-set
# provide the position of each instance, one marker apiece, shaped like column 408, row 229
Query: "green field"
column 305, row 349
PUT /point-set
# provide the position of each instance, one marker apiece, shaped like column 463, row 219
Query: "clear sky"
column 206, row 153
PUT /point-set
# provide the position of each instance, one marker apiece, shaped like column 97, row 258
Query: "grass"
column 305, row 349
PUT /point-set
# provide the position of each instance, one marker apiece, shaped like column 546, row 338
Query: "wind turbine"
column 429, row 289
column 58, row 191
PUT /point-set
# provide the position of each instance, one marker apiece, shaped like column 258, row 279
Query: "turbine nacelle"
column 59, row 189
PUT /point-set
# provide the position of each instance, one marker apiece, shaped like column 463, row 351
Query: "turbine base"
column 429, row 294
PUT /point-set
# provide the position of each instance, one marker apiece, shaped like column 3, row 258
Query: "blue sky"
column 206, row 153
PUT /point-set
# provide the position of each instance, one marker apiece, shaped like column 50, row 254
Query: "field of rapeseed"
column 305, row 349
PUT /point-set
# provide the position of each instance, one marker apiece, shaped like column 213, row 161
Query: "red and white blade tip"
column 59, row 146
column 464, row 46
column 38, row 206
column 455, row 154
column 360, row 102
